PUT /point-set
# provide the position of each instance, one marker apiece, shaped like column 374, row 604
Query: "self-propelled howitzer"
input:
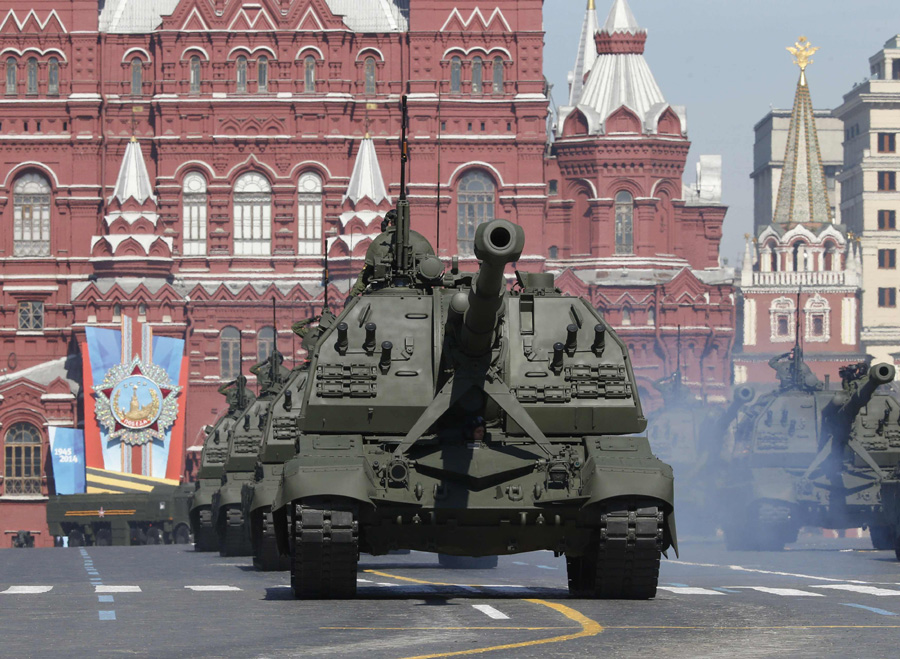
column 446, row 414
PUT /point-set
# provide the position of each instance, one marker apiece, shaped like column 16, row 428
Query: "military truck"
column 796, row 463
column 212, row 461
column 244, row 438
column 153, row 512
column 383, row 458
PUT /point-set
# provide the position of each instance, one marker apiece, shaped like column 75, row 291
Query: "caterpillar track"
column 324, row 551
column 233, row 540
column 623, row 563
column 266, row 556
column 205, row 535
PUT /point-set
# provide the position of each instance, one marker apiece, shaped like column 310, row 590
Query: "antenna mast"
column 678, row 359
column 401, row 235
column 274, row 358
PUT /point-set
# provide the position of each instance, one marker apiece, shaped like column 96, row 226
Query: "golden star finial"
column 802, row 52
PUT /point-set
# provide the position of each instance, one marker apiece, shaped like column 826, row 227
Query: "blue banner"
column 67, row 453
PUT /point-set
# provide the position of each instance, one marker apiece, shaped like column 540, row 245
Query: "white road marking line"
column 689, row 591
column 547, row 567
column 519, row 563
column 117, row 589
column 209, row 589
column 740, row 568
column 26, row 590
column 865, row 590
column 386, row 584
column 784, row 592
column 359, row 580
column 490, row 611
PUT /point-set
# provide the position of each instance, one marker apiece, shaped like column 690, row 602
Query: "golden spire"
column 591, row 4
column 802, row 51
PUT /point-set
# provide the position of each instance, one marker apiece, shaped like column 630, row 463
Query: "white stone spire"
column 621, row 19
column 366, row 181
column 133, row 181
column 586, row 56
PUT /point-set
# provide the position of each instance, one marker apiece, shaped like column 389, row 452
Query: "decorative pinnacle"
column 591, row 4
column 802, row 51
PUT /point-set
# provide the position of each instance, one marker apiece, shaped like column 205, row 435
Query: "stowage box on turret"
column 445, row 414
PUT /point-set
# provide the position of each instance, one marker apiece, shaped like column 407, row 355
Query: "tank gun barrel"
column 846, row 408
column 742, row 395
column 497, row 243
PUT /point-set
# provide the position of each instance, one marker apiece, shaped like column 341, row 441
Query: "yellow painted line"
column 100, row 490
column 406, row 629
column 125, row 485
column 588, row 627
column 763, row 628
column 428, row 583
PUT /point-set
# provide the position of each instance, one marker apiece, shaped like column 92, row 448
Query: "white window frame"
column 252, row 215
column 194, row 209
column 309, row 215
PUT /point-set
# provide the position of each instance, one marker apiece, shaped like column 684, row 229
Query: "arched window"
column 475, row 200
column 252, row 215
column 265, row 343
column 31, row 76
column 370, row 75
column 553, row 252
column 309, row 74
column 477, row 75
column 142, row 312
column 782, row 319
column 497, row 71
column 195, row 75
column 262, row 74
column 12, row 70
column 53, row 77
column 455, row 75
column 242, row 74
column 31, row 216
column 626, row 317
column 817, row 319
column 193, row 198
column 229, row 353
column 651, row 316
column 309, row 214
column 117, row 312
column 23, row 459
column 624, row 223
column 137, row 77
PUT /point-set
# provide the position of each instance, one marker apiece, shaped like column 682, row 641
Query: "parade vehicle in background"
column 807, row 456
column 687, row 433
column 212, row 461
column 128, row 510
column 381, row 458
column 277, row 445
column 244, row 439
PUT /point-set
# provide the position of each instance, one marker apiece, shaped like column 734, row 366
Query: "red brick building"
column 640, row 244
column 179, row 164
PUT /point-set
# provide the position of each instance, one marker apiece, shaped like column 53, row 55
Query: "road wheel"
column 882, row 536
column 467, row 562
column 623, row 562
column 104, row 538
column 774, row 526
column 325, row 551
column 76, row 538
column 182, row 535
column 154, row 537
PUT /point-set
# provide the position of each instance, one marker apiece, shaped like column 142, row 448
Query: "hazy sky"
column 725, row 60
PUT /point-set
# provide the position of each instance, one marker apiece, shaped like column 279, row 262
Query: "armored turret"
column 857, row 392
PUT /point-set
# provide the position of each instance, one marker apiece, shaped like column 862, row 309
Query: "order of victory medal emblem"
column 136, row 402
